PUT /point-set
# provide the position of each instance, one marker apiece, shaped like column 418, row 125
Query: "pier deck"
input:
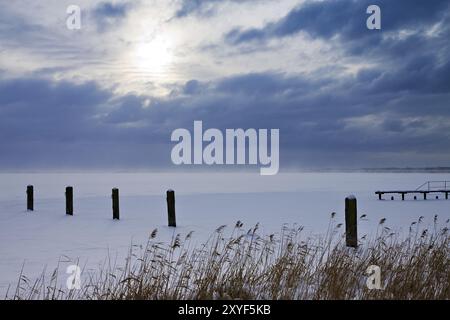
column 436, row 187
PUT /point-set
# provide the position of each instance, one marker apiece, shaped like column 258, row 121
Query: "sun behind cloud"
column 154, row 56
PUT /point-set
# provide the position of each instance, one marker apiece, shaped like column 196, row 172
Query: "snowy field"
column 204, row 202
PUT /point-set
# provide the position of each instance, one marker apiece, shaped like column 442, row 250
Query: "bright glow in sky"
column 146, row 44
column 154, row 55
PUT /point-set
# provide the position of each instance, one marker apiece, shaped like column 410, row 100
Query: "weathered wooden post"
column 351, row 233
column 403, row 196
column 171, row 208
column 115, row 203
column 30, row 198
column 424, row 196
column 69, row 201
column 446, row 196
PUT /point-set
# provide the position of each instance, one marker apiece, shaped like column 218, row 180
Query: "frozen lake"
column 203, row 203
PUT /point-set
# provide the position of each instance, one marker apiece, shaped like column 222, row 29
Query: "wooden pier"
column 427, row 188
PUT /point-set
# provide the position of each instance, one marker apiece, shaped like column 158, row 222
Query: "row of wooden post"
column 351, row 231
column 115, row 203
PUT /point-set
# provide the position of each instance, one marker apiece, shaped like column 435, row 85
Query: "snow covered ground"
column 203, row 203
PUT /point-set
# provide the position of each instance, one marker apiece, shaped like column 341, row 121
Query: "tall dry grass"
column 244, row 265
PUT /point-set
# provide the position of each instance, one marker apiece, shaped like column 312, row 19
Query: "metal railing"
column 435, row 185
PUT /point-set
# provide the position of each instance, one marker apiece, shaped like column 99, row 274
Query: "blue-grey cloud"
column 347, row 19
column 110, row 14
column 65, row 124
column 203, row 8
column 189, row 7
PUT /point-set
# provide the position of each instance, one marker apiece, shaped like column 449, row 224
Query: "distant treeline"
column 409, row 169
column 385, row 170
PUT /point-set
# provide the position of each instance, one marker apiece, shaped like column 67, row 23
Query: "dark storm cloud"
column 66, row 124
column 413, row 64
column 40, row 110
column 315, row 116
column 45, row 124
column 347, row 19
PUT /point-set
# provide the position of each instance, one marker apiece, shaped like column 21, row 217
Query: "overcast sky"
column 110, row 94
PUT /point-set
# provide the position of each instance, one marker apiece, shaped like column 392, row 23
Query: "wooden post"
column 446, row 196
column 351, row 234
column 69, row 201
column 379, row 195
column 171, row 208
column 30, row 198
column 424, row 196
column 403, row 196
column 115, row 203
